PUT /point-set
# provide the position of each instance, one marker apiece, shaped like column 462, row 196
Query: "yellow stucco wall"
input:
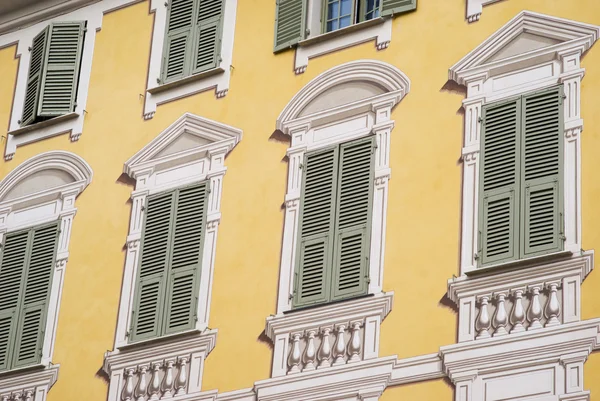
column 424, row 199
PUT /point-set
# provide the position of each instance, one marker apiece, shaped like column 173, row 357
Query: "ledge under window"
column 186, row 80
column 521, row 263
column 43, row 124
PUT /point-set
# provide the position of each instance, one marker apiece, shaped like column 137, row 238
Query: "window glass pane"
column 372, row 9
column 339, row 14
column 332, row 25
column 346, row 7
column 333, row 10
column 344, row 22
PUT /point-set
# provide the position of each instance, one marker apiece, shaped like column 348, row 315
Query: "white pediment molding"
column 560, row 35
column 190, row 137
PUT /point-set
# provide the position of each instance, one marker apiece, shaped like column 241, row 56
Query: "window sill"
column 22, row 371
column 160, row 340
column 186, row 80
column 43, row 124
column 339, row 32
column 522, row 263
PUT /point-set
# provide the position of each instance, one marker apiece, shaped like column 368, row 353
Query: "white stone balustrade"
column 156, row 381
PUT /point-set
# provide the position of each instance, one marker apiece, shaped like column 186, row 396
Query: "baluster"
column 142, row 386
column 5, row 397
column 517, row 317
column 18, row 396
column 535, row 310
column 127, row 394
column 482, row 324
column 354, row 346
column 167, row 384
column 294, row 357
column 500, row 317
column 552, row 307
column 325, row 350
column 339, row 350
column 28, row 395
column 154, row 388
column 181, row 380
column 310, row 352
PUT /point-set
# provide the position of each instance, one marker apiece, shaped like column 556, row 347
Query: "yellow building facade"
column 392, row 106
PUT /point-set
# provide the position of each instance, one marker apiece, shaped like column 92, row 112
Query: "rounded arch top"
column 370, row 78
column 44, row 172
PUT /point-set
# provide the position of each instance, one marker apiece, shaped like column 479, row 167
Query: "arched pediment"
column 43, row 173
column 346, row 84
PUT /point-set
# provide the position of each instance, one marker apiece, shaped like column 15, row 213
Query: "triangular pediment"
column 189, row 137
column 527, row 35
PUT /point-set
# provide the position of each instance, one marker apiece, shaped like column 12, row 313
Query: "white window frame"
column 218, row 78
column 488, row 82
column 155, row 174
column 23, row 38
column 33, row 209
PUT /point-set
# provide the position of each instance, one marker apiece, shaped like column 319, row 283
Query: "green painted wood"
column 177, row 51
column 61, row 68
column 290, row 23
column 542, row 172
column 34, row 78
column 499, row 182
column 316, row 225
column 208, row 35
column 353, row 219
column 393, row 7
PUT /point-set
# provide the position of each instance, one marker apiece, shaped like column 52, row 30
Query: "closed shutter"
column 353, row 216
column 186, row 259
column 178, row 41
column 34, row 78
column 499, row 183
column 152, row 274
column 207, row 36
column 391, row 7
column 541, row 175
column 61, row 72
column 317, row 217
column 290, row 20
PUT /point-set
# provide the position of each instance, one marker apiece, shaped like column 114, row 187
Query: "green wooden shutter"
column 353, row 219
column 34, row 78
column 391, row 7
column 499, row 183
column 152, row 273
column 178, row 41
column 290, row 21
column 208, row 35
column 11, row 277
column 541, row 175
column 186, row 259
column 61, row 72
column 317, row 216
column 36, row 293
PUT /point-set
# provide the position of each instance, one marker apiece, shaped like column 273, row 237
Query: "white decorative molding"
column 164, row 369
column 532, row 51
column 218, row 78
column 29, row 385
column 41, row 190
column 475, row 7
column 190, row 150
column 364, row 92
column 71, row 123
column 328, row 335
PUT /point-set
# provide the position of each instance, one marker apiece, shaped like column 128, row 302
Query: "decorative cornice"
column 23, row 380
column 420, row 368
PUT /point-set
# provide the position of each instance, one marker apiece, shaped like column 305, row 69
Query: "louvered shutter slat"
column 290, row 19
column 355, row 191
column 499, row 183
column 390, row 7
column 542, row 171
column 178, row 41
column 152, row 274
column 316, row 227
column 34, row 78
column 207, row 36
column 59, row 80
column 186, row 259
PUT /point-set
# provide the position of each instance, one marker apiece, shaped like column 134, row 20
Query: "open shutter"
column 34, row 78
column 152, row 274
column 290, row 20
column 208, row 35
column 391, row 7
column 353, row 218
column 317, row 215
column 61, row 72
column 38, row 280
column 186, row 259
column 499, row 183
column 541, row 176
column 178, row 41
column 11, row 278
